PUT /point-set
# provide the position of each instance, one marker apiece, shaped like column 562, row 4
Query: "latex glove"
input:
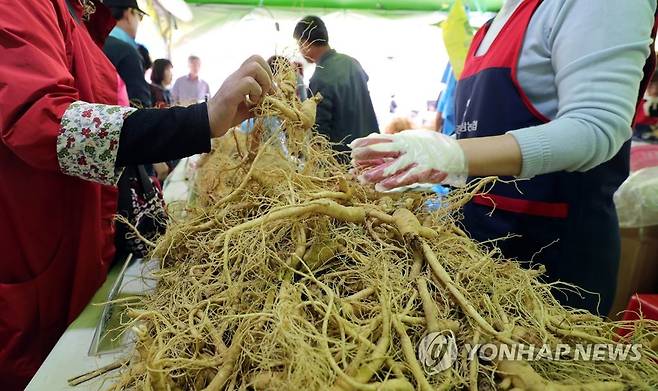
column 409, row 157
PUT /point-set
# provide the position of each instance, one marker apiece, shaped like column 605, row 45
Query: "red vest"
column 56, row 231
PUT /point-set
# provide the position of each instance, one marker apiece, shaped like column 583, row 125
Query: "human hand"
column 161, row 171
column 238, row 95
column 409, row 157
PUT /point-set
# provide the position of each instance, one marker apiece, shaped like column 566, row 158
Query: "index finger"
column 373, row 138
column 266, row 73
column 252, row 90
column 368, row 153
column 263, row 77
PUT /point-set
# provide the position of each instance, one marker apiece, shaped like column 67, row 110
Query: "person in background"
column 124, row 53
column 161, row 77
column 64, row 141
column 190, row 88
column 398, row 125
column 146, row 57
column 438, row 121
column 122, row 50
column 393, row 105
column 302, row 91
column 346, row 111
column 428, row 116
column 646, row 118
column 548, row 94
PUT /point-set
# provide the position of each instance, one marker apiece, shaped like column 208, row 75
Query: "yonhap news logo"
column 438, row 352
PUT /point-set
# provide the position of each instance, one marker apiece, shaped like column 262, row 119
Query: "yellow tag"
column 457, row 36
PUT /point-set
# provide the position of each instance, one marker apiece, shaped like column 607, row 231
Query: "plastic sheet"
column 637, row 199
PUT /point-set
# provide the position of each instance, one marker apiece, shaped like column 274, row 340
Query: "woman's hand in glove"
column 409, row 157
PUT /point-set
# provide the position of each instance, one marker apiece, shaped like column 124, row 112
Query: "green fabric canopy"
column 393, row 5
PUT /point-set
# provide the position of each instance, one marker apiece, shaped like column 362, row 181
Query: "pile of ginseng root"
column 286, row 274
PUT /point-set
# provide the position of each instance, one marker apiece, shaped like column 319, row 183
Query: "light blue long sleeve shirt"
column 121, row 35
column 581, row 67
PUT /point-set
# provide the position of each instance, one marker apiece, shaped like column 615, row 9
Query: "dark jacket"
column 128, row 62
column 346, row 111
column 160, row 96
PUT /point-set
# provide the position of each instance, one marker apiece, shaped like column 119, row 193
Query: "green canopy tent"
column 391, row 5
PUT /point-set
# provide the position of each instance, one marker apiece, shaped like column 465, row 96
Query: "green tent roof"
column 393, row 5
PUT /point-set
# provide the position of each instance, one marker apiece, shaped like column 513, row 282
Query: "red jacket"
column 56, row 232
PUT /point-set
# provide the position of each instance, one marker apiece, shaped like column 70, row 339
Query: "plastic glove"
column 405, row 158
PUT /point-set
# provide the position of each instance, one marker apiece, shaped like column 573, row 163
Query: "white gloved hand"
column 409, row 157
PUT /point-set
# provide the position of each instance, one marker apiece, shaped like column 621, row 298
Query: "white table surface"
column 69, row 358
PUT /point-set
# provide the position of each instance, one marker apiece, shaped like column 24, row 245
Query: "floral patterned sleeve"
column 88, row 141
